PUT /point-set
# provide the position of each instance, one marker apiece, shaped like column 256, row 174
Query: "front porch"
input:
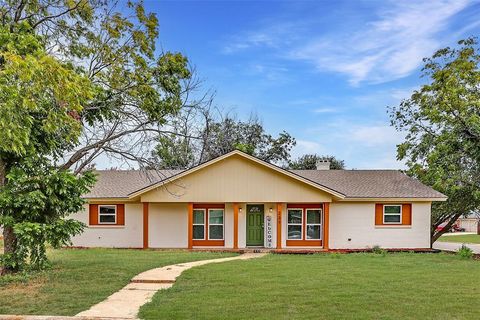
column 247, row 226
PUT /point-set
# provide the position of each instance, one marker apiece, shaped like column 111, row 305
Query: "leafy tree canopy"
column 35, row 202
column 309, row 162
column 78, row 78
column 216, row 138
column 442, row 122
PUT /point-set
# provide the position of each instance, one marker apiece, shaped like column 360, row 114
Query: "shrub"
column 378, row 250
column 465, row 252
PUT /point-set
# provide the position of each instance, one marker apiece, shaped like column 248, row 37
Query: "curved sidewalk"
column 126, row 303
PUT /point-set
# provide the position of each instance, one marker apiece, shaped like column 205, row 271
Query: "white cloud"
column 386, row 44
column 373, row 136
column 326, row 110
column 273, row 36
column 306, row 147
column 270, row 72
column 388, row 48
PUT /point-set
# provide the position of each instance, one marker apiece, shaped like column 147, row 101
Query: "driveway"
column 453, row 246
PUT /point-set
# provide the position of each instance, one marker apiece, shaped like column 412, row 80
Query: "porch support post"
column 326, row 222
column 190, row 225
column 279, row 225
column 145, row 225
column 235, row 226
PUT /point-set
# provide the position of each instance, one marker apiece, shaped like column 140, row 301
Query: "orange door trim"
column 279, row 225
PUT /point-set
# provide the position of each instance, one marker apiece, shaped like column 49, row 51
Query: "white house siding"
column 356, row 221
column 228, row 225
column 128, row 236
column 168, row 225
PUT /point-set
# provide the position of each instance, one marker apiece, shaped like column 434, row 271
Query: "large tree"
column 192, row 145
column 442, row 122
column 80, row 79
column 309, row 162
column 40, row 102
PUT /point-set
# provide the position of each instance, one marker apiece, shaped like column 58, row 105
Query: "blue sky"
column 324, row 71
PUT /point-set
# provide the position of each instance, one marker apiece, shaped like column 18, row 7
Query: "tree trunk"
column 10, row 246
column 448, row 226
column 9, row 238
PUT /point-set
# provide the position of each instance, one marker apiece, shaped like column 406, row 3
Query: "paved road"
column 453, row 246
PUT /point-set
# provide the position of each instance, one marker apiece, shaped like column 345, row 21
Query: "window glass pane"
column 314, row 216
column 392, row 209
column 107, row 218
column 215, row 216
column 313, row 232
column 215, row 232
column 294, row 232
column 392, row 218
column 107, row 209
column 198, row 232
column 198, row 216
column 294, row 215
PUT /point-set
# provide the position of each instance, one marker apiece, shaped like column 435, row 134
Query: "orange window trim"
column 406, row 214
column 304, row 242
column 206, row 242
column 94, row 220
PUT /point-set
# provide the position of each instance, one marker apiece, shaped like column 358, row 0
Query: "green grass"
column 325, row 286
column 82, row 278
column 462, row 238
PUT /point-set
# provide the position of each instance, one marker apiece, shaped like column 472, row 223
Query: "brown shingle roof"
column 351, row 183
column 370, row 183
column 120, row 183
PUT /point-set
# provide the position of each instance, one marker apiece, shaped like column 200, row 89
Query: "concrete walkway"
column 455, row 246
column 457, row 233
column 126, row 303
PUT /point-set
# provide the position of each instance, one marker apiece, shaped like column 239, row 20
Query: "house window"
column 215, row 224
column 304, row 223
column 107, row 214
column 294, row 224
column 199, row 224
column 392, row 214
column 314, row 224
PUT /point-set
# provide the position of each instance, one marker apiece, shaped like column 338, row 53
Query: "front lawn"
column 325, row 286
column 461, row 238
column 82, row 278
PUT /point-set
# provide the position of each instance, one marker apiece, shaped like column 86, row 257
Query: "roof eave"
column 394, row 199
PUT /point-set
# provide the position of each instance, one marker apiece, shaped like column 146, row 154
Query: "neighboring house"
column 238, row 201
column 469, row 223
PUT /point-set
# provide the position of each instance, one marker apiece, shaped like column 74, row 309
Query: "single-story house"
column 469, row 222
column 237, row 201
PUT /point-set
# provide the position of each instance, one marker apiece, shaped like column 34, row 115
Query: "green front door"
column 255, row 224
